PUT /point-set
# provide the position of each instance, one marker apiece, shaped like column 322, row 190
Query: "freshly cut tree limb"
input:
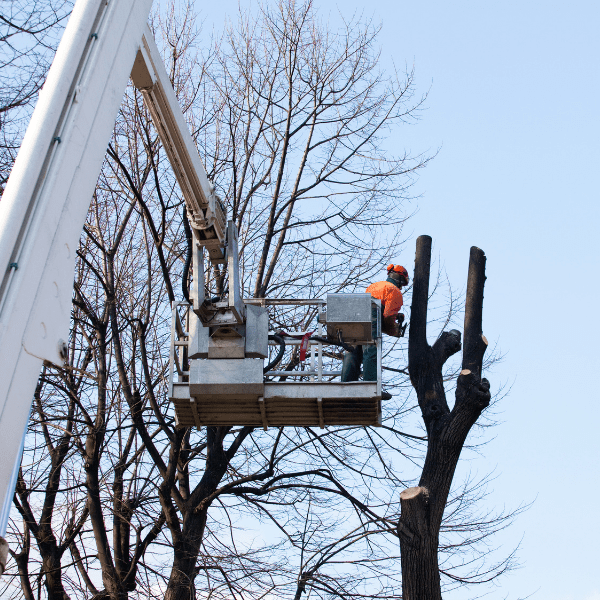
column 475, row 341
column 415, row 508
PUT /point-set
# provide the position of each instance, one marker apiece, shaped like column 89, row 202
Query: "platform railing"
column 316, row 371
column 180, row 339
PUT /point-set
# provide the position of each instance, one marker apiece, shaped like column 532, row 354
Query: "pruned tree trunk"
column 422, row 507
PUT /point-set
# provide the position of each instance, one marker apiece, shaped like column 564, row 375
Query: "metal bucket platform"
column 235, row 392
column 300, row 404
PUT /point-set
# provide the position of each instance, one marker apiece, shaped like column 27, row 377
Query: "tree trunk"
column 51, row 565
column 181, row 582
column 422, row 507
column 187, row 540
column 420, row 572
column 22, row 560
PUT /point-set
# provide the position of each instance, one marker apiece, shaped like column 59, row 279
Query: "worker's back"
column 388, row 292
column 390, row 296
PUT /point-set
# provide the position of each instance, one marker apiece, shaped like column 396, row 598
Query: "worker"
column 390, row 294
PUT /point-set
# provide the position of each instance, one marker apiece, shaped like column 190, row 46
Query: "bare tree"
column 292, row 119
column 423, row 506
column 51, row 549
column 297, row 146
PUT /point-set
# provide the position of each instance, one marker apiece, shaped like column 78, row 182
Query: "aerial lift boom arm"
column 205, row 211
column 47, row 196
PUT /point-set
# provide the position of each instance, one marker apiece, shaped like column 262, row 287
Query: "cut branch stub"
column 417, row 337
column 475, row 343
column 446, row 345
column 414, row 522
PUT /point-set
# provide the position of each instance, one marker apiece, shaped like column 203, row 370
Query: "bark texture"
column 422, row 507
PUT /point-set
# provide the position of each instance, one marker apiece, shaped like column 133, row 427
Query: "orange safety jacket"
column 390, row 296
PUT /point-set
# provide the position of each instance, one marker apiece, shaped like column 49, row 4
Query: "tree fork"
column 422, row 507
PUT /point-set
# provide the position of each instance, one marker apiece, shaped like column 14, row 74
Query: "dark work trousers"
column 365, row 355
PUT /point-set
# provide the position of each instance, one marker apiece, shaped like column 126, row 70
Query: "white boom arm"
column 206, row 214
column 47, row 197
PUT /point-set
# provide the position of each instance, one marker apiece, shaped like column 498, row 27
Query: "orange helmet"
column 398, row 272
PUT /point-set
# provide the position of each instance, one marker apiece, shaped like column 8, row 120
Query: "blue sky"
column 512, row 104
column 513, row 109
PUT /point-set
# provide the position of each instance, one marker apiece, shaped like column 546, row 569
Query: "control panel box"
column 355, row 316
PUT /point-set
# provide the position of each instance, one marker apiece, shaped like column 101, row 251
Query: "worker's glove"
column 401, row 327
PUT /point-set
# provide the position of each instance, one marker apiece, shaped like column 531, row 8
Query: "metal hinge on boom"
column 226, row 312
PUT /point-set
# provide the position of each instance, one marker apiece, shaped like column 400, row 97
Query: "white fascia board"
column 47, row 197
